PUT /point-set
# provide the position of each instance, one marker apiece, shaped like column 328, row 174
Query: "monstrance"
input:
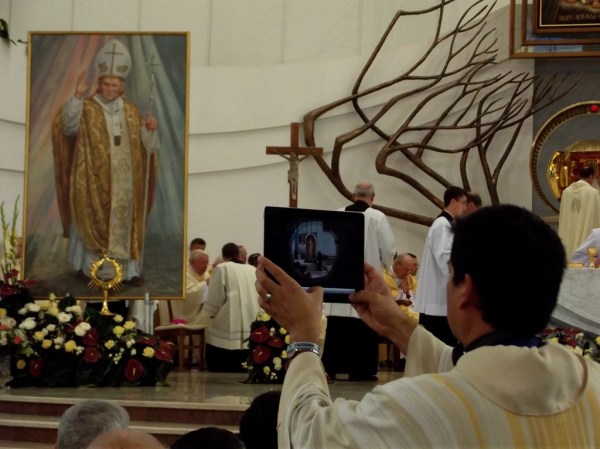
column 106, row 274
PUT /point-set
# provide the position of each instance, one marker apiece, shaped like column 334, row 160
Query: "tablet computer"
column 317, row 248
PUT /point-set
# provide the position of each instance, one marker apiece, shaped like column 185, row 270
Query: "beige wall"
column 256, row 66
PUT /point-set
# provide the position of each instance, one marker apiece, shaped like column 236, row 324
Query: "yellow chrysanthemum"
column 21, row 364
column 109, row 344
column 129, row 325
column 266, row 369
column 70, row 346
column 2, row 312
column 264, row 316
column 46, row 343
column 38, row 336
column 118, row 330
column 148, row 352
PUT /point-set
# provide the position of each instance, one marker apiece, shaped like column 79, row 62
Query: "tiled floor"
column 214, row 389
column 187, row 390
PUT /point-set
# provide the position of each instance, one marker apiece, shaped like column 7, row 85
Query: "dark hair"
column 453, row 193
column 258, row 425
column 198, row 241
column 209, row 437
column 230, row 251
column 586, row 172
column 253, row 259
column 473, row 197
column 506, row 240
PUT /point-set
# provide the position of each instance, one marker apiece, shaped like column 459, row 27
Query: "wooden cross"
column 291, row 154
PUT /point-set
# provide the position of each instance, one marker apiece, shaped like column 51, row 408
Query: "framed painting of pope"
column 106, row 162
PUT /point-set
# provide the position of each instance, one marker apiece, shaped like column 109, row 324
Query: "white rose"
column 28, row 323
column 64, row 317
column 32, row 307
column 7, row 321
column 82, row 328
column 59, row 341
column 51, row 327
column 22, row 311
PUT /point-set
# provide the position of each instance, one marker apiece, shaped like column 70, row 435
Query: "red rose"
column 91, row 354
column 91, row 337
column 17, row 340
column 260, row 334
column 261, row 354
column 133, row 370
column 276, row 342
column 35, row 367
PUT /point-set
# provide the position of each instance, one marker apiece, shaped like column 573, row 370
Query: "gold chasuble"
column 101, row 180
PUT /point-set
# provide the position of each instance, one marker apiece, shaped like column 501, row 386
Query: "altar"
column 579, row 300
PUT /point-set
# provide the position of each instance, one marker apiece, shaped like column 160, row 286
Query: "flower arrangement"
column 53, row 345
column 9, row 253
column 267, row 351
column 574, row 339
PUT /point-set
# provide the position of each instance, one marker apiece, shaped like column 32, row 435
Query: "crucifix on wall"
column 294, row 154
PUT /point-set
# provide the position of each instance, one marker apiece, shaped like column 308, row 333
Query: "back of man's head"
column 125, row 439
column 209, row 437
column 258, row 425
column 364, row 191
column 230, row 251
column 84, row 421
column 516, row 262
column 587, row 172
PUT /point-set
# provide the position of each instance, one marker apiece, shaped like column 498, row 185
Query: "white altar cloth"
column 579, row 299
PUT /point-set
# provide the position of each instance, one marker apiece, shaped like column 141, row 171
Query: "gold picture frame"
column 113, row 181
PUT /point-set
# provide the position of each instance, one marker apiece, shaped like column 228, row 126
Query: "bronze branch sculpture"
column 474, row 101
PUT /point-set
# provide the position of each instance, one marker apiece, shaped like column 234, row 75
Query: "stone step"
column 39, row 429
column 24, row 445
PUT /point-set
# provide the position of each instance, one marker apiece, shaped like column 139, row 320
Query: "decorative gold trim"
column 562, row 116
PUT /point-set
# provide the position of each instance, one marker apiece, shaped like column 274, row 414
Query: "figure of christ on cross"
column 292, row 155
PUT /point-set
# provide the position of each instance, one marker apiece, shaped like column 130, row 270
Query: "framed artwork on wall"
column 566, row 16
column 554, row 28
column 106, row 162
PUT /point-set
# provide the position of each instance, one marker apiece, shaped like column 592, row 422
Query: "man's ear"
column 469, row 296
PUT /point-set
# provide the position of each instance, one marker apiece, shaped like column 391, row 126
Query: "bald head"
column 403, row 265
column 364, row 191
column 125, row 439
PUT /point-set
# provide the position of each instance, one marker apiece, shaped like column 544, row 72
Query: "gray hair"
column 84, row 421
column 364, row 189
column 195, row 254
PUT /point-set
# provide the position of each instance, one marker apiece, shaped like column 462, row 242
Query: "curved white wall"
column 256, row 66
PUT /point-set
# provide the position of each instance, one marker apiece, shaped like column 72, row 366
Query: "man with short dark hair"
column 473, row 202
column 430, row 298
column 229, row 310
column 502, row 387
column 197, row 243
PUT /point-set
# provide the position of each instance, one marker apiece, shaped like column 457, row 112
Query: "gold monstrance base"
column 112, row 281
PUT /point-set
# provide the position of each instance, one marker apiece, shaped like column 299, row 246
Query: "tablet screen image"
column 317, row 247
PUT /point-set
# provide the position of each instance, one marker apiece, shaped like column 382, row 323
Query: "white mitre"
column 113, row 60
